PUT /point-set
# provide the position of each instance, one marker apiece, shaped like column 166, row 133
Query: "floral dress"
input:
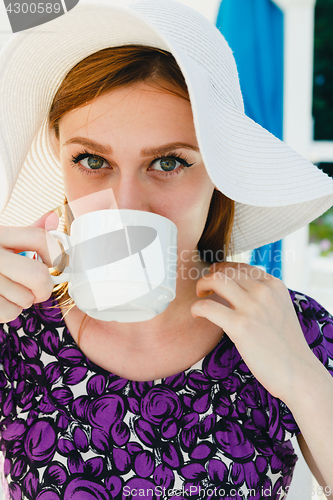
column 73, row 431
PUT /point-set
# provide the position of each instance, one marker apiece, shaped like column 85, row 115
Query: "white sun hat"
column 276, row 190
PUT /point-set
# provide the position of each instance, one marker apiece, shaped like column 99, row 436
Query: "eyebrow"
column 106, row 150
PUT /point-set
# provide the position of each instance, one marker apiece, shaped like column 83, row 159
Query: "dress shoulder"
column 317, row 326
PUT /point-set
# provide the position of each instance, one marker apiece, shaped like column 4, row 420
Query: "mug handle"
column 66, row 242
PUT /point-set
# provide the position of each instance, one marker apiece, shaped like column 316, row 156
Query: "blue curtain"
column 254, row 31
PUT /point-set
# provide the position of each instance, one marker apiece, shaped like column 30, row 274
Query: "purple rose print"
column 81, row 439
column 160, row 403
column 217, row 471
column 15, row 491
column 139, row 488
column 56, row 474
column 19, row 468
column 222, row 405
column 177, row 382
column 169, row 428
column 71, row 356
column 190, row 420
column 141, row 388
column 133, row 448
column 65, row 446
column 30, row 484
column 96, row 385
column 116, row 383
column 164, row 476
column 31, row 324
column 171, row 456
column 50, row 341
column 48, row 312
column 75, row 463
column 198, row 382
column 40, row 442
column 144, row 464
column 189, row 438
column 194, row 471
column 100, row 441
column 221, row 361
column 81, row 489
column 29, row 348
column 16, row 323
column 328, row 336
column 48, row 495
column 206, row 425
column 14, row 430
column 234, row 442
column 202, row 451
column 75, row 375
column 121, row 460
column 145, row 432
column 80, row 408
column 120, row 433
column 113, row 486
column 104, row 411
column 260, row 419
column 53, row 372
column 73, row 431
column 201, row 403
column 94, row 467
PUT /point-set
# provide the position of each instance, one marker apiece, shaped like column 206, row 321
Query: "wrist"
column 309, row 381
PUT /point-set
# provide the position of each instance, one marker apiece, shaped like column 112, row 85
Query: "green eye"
column 95, row 162
column 174, row 164
column 89, row 161
column 168, row 164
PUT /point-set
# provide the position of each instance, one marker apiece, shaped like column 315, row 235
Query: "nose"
column 131, row 193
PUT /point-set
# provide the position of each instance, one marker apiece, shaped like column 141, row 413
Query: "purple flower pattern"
column 73, row 431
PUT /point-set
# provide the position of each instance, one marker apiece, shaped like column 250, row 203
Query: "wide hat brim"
column 276, row 191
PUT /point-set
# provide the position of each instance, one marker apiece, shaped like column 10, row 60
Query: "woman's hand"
column 24, row 281
column 261, row 321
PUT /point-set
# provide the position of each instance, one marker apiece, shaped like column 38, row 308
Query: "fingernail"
column 205, row 293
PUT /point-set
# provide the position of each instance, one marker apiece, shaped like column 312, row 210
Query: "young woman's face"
column 139, row 141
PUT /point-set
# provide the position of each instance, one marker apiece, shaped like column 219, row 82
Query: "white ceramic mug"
column 122, row 264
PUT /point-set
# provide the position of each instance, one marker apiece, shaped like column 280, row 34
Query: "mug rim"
column 124, row 211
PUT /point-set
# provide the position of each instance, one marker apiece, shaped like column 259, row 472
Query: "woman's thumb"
column 48, row 221
column 50, row 253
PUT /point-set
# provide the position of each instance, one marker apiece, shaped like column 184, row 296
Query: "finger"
column 8, row 310
column 260, row 291
column 215, row 312
column 35, row 239
column 253, row 272
column 29, row 273
column 16, row 293
column 245, row 278
column 48, row 221
column 223, row 285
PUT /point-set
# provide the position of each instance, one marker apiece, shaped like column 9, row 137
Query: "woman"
column 201, row 400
